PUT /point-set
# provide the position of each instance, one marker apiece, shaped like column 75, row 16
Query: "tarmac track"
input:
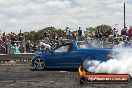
column 24, row 77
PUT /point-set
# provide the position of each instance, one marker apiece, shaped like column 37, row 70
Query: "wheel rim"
column 39, row 64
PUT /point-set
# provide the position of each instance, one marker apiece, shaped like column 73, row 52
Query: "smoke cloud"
column 120, row 64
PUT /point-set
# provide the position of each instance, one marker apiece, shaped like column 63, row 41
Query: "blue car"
column 70, row 55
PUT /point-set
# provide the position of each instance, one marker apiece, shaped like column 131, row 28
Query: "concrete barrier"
column 16, row 59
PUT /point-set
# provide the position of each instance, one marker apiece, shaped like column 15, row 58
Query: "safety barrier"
column 16, row 59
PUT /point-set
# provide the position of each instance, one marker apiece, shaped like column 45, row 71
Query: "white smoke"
column 120, row 64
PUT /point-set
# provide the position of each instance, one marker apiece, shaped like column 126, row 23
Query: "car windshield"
column 62, row 49
column 84, row 45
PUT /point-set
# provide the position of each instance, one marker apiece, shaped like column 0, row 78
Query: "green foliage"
column 30, row 36
column 89, row 31
column 39, row 35
column 105, row 30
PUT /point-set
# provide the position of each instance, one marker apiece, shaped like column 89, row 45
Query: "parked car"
column 70, row 55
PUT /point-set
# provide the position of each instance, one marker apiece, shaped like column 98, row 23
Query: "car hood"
column 43, row 54
column 39, row 54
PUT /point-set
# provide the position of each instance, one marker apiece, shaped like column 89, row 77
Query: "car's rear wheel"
column 39, row 64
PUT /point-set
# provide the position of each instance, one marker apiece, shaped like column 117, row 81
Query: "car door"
column 56, row 58
column 64, row 56
column 70, row 57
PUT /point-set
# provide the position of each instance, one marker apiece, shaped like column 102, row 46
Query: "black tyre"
column 39, row 64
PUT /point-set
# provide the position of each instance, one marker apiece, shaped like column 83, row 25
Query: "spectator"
column 0, row 36
column 46, row 34
column 130, row 31
column 35, row 48
column 100, row 35
column 46, row 37
column 126, row 43
column 60, row 40
column 1, row 43
column 12, row 36
column 114, row 31
column 21, row 48
column 79, row 33
column 75, row 35
column 124, row 31
column 68, row 33
column 130, row 41
column 4, row 37
column 96, row 35
column 27, row 47
column 20, row 36
column 15, row 49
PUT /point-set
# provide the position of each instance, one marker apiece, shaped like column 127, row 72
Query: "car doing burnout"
column 70, row 55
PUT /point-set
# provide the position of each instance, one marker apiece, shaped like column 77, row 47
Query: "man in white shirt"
column 68, row 33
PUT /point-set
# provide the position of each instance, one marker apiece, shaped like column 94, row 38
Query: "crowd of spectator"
column 75, row 35
column 124, row 39
column 13, row 43
column 9, row 44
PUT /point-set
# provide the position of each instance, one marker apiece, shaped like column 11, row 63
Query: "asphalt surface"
column 25, row 77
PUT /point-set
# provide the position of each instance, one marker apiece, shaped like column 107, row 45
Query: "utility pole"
column 124, row 15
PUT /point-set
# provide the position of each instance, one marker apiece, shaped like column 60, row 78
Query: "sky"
column 33, row 15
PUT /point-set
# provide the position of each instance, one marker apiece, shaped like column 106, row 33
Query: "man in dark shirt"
column 20, row 35
column 79, row 33
column 124, row 31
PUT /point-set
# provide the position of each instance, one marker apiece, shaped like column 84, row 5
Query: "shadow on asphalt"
column 70, row 70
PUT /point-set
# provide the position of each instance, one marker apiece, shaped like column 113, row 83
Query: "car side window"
column 84, row 45
column 64, row 48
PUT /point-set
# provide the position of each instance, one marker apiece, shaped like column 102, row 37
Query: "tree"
column 103, row 30
column 39, row 35
column 89, row 32
column 30, row 36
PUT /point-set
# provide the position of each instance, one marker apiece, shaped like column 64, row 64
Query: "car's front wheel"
column 39, row 64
